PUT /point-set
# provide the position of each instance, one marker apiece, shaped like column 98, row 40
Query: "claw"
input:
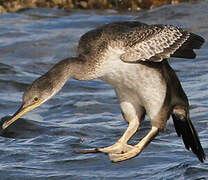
column 95, row 150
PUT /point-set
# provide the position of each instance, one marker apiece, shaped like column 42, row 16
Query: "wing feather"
column 157, row 42
column 138, row 42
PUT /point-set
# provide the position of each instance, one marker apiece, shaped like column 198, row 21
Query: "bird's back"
column 115, row 34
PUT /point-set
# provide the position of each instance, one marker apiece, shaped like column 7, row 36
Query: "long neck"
column 76, row 68
column 61, row 72
column 58, row 75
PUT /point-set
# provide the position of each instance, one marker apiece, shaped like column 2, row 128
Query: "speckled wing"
column 157, row 42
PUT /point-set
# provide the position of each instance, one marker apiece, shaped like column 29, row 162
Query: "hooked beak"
column 20, row 112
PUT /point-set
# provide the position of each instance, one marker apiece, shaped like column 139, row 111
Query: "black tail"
column 186, row 50
column 185, row 128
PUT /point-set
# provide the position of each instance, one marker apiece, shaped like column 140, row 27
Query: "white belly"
column 138, row 84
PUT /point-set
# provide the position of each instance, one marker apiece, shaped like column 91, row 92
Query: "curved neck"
column 61, row 72
column 58, row 75
column 68, row 68
column 74, row 67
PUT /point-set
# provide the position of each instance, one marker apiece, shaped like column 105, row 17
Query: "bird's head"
column 36, row 94
column 42, row 89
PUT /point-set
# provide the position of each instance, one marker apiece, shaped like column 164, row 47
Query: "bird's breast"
column 137, row 83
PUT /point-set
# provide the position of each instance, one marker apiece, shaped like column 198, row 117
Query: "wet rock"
column 84, row 4
column 2, row 9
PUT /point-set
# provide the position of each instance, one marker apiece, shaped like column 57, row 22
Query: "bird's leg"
column 131, row 116
column 137, row 149
column 121, row 146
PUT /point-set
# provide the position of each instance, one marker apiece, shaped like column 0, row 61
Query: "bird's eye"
column 35, row 99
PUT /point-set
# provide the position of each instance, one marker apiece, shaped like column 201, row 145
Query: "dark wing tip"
column 186, row 49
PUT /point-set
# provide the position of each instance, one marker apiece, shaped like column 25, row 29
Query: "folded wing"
column 157, row 42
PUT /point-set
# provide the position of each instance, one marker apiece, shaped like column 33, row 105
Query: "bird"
column 133, row 58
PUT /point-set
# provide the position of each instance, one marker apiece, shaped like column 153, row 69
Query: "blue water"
column 41, row 144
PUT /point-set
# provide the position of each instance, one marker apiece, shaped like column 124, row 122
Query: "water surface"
column 83, row 115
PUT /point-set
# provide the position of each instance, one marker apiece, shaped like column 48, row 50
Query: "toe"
column 115, row 157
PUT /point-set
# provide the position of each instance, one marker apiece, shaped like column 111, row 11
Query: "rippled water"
column 86, row 114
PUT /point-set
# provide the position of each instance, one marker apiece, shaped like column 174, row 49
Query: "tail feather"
column 186, row 130
column 186, row 50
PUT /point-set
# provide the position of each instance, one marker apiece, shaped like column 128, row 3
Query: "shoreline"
column 7, row 6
